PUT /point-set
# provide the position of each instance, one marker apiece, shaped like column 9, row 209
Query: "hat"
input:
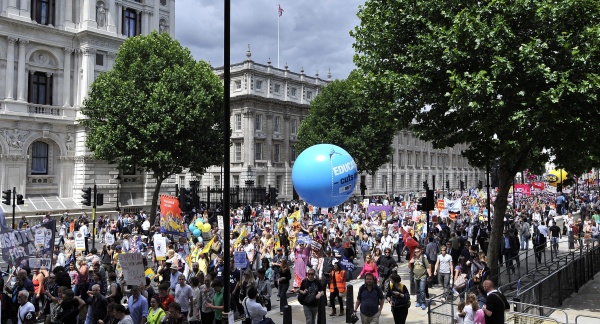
column 118, row 247
column 174, row 267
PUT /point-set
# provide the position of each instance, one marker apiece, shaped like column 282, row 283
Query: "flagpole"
column 278, row 17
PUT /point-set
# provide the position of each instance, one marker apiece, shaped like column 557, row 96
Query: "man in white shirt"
column 443, row 269
column 86, row 235
column 252, row 309
column 184, row 295
column 24, row 306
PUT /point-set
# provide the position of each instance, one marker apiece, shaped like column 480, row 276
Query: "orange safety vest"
column 340, row 281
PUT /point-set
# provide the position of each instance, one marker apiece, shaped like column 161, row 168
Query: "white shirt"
column 183, row 295
column 444, row 263
column 23, row 309
column 146, row 225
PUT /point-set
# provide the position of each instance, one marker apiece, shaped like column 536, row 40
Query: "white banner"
column 160, row 247
column 79, row 241
column 109, row 239
column 454, row 205
column 133, row 268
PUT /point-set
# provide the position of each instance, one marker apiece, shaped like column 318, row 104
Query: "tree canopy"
column 516, row 80
column 157, row 110
column 341, row 115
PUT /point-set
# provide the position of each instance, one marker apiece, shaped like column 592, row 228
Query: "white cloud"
column 314, row 34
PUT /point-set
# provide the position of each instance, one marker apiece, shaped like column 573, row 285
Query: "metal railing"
column 585, row 319
column 538, row 286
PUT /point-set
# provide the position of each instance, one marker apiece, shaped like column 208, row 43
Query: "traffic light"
column 422, row 204
column 430, row 200
column 99, row 199
column 87, row 196
column 185, row 199
column 447, row 184
column 6, row 196
column 480, row 185
column 20, row 200
column 462, row 185
column 273, row 195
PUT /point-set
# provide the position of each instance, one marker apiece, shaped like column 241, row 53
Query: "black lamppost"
column 118, row 178
column 250, row 181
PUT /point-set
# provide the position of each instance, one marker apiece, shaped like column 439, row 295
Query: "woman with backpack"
column 398, row 296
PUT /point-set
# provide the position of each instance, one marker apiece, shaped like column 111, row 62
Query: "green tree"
column 517, row 80
column 342, row 115
column 157, row 110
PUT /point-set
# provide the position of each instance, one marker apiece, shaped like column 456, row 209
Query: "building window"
column 42, row 11
column 40, row 88
column 277, row 153
column 238, row 85
column 131, row 23
column 258, row 154
column 238, row 121
column 400, row 161
column 99, row 59
column 293, row 126
column 163, row 2
column 39, row 158
column 293, row 154
column 217, row 181
column 277, row 88
column 308, row 95
column 277, row 124
column 235, row 181
column 293, row 92
column 409, row 161
column 383, row 182
column 417, row 159
column 258, row 85
column 238, row 152
column 258, row 122
column 279, row 182
column 260, row 181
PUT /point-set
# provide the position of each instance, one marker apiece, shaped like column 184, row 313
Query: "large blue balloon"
column 324, row 175
column 196, row 232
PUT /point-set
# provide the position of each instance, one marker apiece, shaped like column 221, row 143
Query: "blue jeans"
column 421, row 285
column 524, row 243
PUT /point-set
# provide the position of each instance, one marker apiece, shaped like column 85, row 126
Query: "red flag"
column 280, row 10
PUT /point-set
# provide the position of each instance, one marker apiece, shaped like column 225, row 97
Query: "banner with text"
column 133, row 268
column 29, row 247
column 171, row 220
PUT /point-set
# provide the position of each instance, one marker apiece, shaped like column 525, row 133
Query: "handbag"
column 353, row 318
column 460, row 281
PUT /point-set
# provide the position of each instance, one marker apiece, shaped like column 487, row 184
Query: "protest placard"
column 160, row 247
column 79, row 241
column 303, row 238
column 109, row 239
column 239, row 259
column 133, row 268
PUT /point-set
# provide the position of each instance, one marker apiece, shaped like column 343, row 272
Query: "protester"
column 310, row 291
column 496, row 304
column 399, row 298
column 370, row 299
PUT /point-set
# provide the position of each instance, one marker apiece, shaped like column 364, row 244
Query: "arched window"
column 39, row 158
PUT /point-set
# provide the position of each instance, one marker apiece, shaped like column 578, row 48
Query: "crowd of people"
column 291, row 248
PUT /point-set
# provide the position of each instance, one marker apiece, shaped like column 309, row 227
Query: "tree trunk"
column 155, row 195
column 505, row 176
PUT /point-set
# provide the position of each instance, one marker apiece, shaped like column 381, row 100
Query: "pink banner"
column 523, row 188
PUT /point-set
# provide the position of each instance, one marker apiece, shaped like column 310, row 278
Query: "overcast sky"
column 314, row 34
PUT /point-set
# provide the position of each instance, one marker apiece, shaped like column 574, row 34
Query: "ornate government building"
column 52, row 50
column 50, row 53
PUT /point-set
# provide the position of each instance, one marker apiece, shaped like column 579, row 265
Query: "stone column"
column 111, row 17
column 171, row 17
column 119, row 14
column 23, row 5
column 67, row 77
column 87, row 66
column 156, row 16
column 146, row 21
column 10, row 67
column 21, row 71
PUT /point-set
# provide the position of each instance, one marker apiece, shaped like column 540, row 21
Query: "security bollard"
column 321, row 314
column 349, row 302
column 287, row 314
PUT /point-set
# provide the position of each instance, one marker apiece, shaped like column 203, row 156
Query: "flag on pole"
column 280, row 10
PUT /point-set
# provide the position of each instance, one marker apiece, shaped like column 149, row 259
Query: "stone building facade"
column 50, row 53
column 267, row 107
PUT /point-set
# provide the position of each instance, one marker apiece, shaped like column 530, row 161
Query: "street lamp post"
column 118, row 178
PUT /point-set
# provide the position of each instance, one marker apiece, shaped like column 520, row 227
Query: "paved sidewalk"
column 585, row 304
